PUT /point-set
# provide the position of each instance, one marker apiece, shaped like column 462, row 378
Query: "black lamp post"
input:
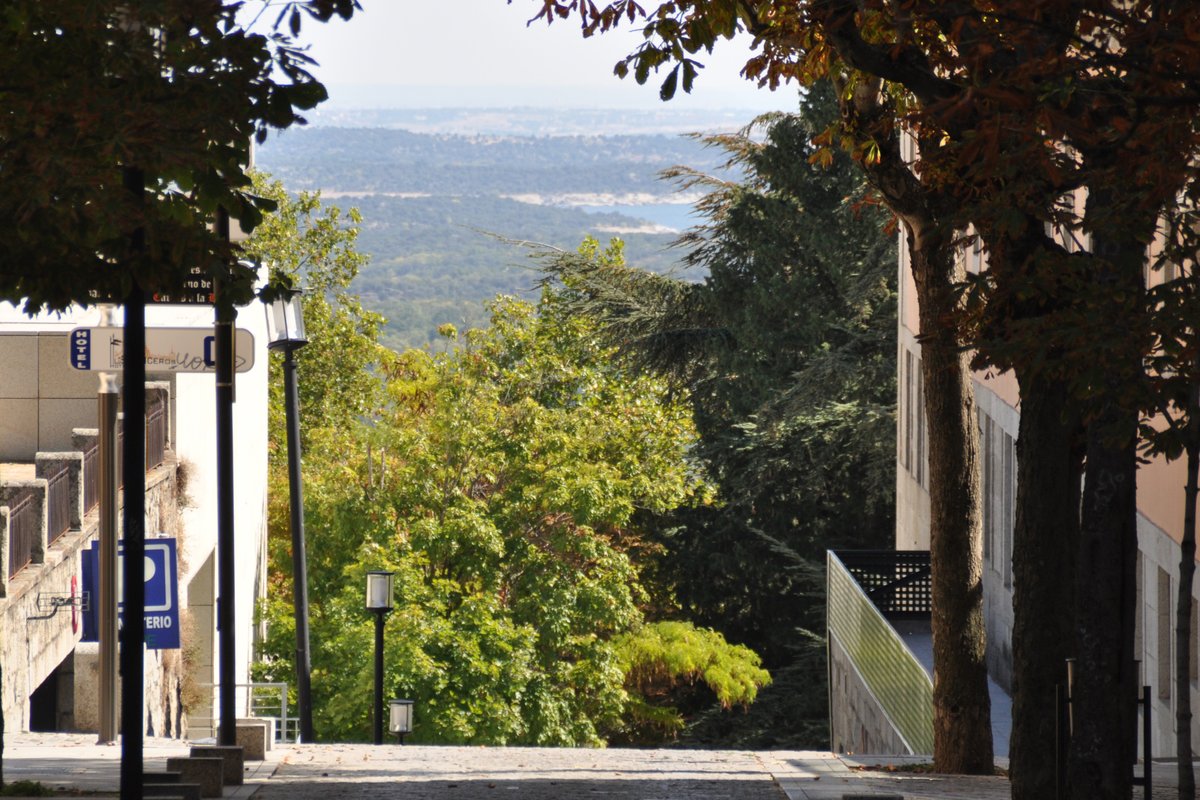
column 285, row 332
column 379, row 601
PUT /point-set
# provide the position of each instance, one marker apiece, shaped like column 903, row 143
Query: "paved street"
column 333, row 771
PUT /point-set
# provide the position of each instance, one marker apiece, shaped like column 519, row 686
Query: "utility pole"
column 134, row 469
column 226, row 553
column 107, row 601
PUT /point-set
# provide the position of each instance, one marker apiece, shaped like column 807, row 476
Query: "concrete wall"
column 857, row 722
column 41, row 397
column 1158, row 580
column 195, row 425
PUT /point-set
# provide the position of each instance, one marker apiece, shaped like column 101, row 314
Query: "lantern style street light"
column 285, row 332
column 379, row 602
column 400, row 718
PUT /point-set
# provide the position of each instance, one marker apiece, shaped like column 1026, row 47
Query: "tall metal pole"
column 291, row 391
column 107, row 601
column 134, row 469
column 379, row 615
column 226, row 554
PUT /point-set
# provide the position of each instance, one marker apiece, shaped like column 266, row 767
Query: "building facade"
column 1160, row 520
column 49, row 417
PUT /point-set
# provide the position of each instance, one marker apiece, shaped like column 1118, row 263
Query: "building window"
column 1009, row 453
column 1193, row 635
column 989, row 515
column 1164, row 635
column 1139, row 625
column 922, row 455
column 908, row 409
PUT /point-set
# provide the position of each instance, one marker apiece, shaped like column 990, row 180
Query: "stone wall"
column 165, row 714
column 41, row 622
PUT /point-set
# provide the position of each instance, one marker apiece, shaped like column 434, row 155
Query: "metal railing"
column 898, row 582
column 24, row 532
column 156, row 434
column 263, row 701
column 893, row 675
column 91, row 478
column 58, row 503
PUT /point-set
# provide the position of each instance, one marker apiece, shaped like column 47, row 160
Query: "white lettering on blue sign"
column 81, row 348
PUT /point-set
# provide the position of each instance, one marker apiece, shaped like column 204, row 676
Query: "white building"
column 48, row 407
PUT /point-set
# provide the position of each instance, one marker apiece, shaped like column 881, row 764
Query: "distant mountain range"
column 439, row 204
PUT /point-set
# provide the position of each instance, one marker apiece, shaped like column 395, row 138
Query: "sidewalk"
column 71, row 762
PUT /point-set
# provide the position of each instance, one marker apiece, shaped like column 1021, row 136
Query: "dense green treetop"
column 501, row 481
column 786, row 351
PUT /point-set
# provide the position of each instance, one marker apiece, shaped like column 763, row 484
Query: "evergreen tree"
column 787, row 352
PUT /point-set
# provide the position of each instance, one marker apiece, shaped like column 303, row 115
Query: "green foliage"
column 660, row 657
column 786, row 352
column 126, row 126
column 25, row 788
column 503, row 484
column 315, row 246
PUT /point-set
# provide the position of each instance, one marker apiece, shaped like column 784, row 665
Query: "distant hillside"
column 437, row 259
column 434, row 205
column 384, row 160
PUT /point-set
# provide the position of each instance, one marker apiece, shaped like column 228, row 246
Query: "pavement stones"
column 411, row 772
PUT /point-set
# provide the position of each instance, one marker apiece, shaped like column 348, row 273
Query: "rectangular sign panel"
column 167, row 349
column 161, row 618
column 197, row 290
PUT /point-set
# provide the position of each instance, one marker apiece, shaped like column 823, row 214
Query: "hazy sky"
column 481, row 53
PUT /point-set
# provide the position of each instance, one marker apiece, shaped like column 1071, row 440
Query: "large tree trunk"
column 1045, row 545
column 1183, row 607
column 962, row 727
column 1105, row 691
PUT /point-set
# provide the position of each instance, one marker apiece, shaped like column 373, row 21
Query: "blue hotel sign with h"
column 161, row 620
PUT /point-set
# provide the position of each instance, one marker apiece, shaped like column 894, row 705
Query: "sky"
column 481, row 53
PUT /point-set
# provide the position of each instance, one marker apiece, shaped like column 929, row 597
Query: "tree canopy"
column 786, row 353
column 502, row 481
column 126, row 127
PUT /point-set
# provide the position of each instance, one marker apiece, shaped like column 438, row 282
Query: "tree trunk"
column 962, row 727
column 1045, row 545
column 1105, row 690
column 1183, row 608
column 1104, row 737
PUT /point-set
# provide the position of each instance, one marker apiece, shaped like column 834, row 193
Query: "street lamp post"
column 285, row 332
column 379, row 601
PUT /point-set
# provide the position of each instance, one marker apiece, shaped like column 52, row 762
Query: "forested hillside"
column 385, row 160
column 440, row 218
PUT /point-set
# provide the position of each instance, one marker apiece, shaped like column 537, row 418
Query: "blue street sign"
column 161, row 617
column 81, row 348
